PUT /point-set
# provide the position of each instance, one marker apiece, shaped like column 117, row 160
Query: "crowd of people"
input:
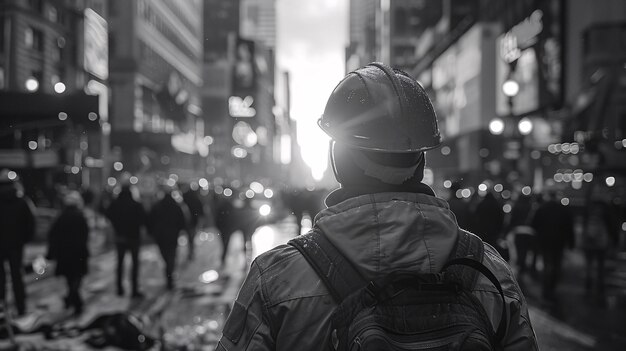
column 537, row 230
column 169, row 217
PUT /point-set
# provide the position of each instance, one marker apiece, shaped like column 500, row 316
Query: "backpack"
column 407, row 310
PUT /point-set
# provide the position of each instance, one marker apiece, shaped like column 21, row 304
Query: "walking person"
column 598, row 229
column 523, row 233
column 165, row 223
column 382, row 223
column 67, row 245
column 553, row 224
column 128, row 218
column 17, row 227
column 196, row 217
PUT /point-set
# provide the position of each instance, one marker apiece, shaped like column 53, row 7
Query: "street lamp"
column 510, row 87
column 496, row 126
column 525, row 126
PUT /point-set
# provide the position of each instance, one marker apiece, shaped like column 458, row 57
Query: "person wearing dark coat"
column 128, row 217
column 196, row 215
column 554, row 226
column 520, row 227
column 68, row 238
column 17, row 227
column 488, row 219
column 165, row 222
column 460, row 207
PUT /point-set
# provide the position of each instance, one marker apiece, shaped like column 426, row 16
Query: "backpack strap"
column 337, row 273
column 466, row 262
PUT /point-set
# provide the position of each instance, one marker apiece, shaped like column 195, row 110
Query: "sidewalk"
column 579, row 320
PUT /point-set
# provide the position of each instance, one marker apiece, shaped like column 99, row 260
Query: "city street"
column 191, row 316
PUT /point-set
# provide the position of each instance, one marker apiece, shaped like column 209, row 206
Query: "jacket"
column 284, row 305
column 166, row 221
column 67, row 243
column 17, row 221
column 127, row 217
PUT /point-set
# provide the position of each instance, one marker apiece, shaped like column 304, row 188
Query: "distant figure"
column 460, row 207
column 196, row 217
column 598, row 230
column 523, row 233
column 17, row 227
column 68, row 246
column 554, row 226
column 234, row 215
column 488, row 219
column 128, row 217
column 165, row 222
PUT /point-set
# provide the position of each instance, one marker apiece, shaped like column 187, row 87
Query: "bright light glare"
column 263, row 239
column 564, row 201
column 496, row 126
column 12, row 175
column 265, row 210
column 32, row 84
column 447, row 184
column 466, row 193
column 510, row 88
column 525, row 126
column 526, row 190
column 32, row 145
column 203, row 183
column 482, row 187
column 610, row 181
column 133, row 180
column 269, row 193
column 507, row 208
column 209, row 276
column 118, row 166
column 256, row 187
column 59, row 88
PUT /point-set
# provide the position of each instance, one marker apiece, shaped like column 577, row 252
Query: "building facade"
column 53, row 92
column 156, row 53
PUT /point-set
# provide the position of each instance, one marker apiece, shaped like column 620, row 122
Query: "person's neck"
column 348, row 191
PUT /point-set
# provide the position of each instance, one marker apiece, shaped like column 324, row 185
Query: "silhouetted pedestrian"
column 460, row 207
column 488, row 219
column 68, row 238
column 196, row 217
column 554, row 226
column 597, row 232
column 128, row 217
column 165, row 222
column 523, row 233
column 17, row 227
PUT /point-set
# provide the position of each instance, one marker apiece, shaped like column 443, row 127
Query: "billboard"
column 96, row 44
column 530, row 54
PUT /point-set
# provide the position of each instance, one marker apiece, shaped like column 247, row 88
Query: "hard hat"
column 378, row 108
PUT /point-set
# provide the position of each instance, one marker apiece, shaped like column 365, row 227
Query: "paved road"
column 193, row 313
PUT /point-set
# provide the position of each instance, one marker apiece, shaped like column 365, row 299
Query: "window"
column 33, row 39
column 53, row 15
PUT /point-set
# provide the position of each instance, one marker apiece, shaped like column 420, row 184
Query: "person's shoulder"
column 276, row 257
column 286, row 275
column 501, row 269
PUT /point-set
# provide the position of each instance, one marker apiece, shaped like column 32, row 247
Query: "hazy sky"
column 311, row 37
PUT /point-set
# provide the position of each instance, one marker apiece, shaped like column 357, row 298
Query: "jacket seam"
column 263, row 293
column 428, row 250
column 295, row 298
column 262, row 270
column 507, row 293
column 377, row 226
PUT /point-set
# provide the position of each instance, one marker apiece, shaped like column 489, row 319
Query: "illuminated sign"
column 96, row 44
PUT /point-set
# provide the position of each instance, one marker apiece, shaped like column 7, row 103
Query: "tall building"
column 258, row 21
column 526, row 92
column 53, row 58
column 156, row 53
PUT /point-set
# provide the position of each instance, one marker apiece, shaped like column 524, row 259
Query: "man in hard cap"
column 17, row 227
column 382, row 219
